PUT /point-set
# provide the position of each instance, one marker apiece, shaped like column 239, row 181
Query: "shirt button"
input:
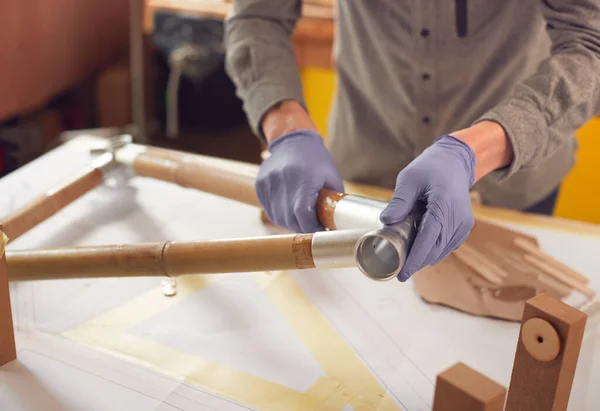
column 426, row 76
column 426, row 120
column 425, row 33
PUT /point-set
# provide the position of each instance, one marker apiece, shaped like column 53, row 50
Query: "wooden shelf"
column 313, row 37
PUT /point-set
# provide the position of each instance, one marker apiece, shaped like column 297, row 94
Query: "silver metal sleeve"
column 335, row 249
column 129, row 153
column 380, row 254
column 357, row 212
column 104, row 163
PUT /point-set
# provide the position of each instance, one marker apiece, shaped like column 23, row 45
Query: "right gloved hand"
column 289, row 181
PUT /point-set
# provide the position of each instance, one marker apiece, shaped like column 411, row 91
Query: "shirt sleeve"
column 260, row 57
column 545, row 110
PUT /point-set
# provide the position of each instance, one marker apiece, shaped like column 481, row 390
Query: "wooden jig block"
column 8, row 351
column 462, row 388
column 546, row 356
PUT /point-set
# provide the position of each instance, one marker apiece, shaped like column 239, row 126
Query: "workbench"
column 268, row 341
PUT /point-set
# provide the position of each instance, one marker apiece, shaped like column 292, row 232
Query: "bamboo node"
column 162, row 261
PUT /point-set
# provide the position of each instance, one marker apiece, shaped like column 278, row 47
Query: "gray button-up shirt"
column 409, row 71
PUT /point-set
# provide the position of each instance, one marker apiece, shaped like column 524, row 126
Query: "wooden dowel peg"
column 8, row 350
column 482, row 265
column 554, row 285
column 528, row 247
column 559, row 275
column 546, row 356
column 516, row 263
column 461, row 388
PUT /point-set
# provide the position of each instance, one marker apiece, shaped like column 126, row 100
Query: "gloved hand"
column 441, row 178
column 289, row 181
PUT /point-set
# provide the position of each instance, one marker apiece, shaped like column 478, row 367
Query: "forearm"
column 286, row 117
column 543, row 112
column 260, row 58
column 490, row 144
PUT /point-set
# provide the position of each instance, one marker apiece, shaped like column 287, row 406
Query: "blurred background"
column 155, row 68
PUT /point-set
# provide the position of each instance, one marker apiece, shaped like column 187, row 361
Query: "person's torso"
column 410, row 71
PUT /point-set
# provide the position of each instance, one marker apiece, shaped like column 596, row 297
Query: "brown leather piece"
column 456, row 285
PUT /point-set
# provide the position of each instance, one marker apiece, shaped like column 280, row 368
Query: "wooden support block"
column 462, row 388
column 546, row 356
column 8, row 351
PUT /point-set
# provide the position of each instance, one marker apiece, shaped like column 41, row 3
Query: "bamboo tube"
column 479, row 263
column 86, row 262
column 219, row 177
column 559, row 275
column 528, row 247
column 326, row 205
column 53, row 200
column 236, row 181
column 163, row 259
column 278, row 252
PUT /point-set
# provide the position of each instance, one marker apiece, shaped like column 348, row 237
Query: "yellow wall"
column 580, row 193
column 579, row 197
column 319, row 85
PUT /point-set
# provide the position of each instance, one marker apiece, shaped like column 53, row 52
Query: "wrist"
column 490, row 144
column 284, row 118
column 297, row 142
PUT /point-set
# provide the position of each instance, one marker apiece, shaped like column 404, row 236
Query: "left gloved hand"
column 441, row 178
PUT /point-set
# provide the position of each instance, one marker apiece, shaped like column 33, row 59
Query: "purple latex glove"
column 440, row 178
column 289, row 181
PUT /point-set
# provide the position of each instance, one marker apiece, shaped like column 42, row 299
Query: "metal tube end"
column 380, row 254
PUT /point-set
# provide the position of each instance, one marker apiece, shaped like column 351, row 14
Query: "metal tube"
column 357, row 212
column 127, row 154
column 380, row 254
column 335, row 249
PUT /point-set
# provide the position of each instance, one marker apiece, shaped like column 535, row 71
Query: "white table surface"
column 225, row 342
